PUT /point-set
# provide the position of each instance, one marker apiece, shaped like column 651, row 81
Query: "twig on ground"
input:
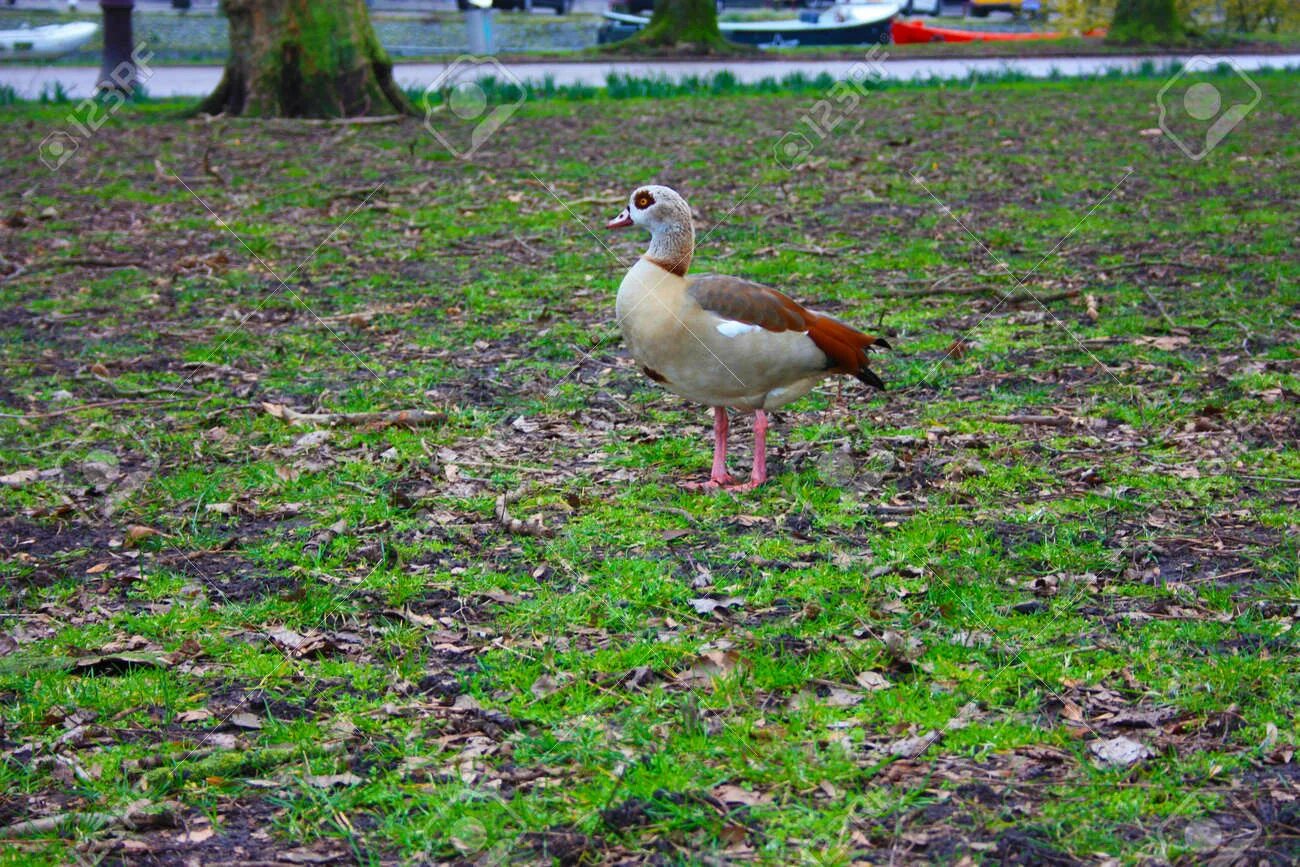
column 84, row 262
column 528, row 248
column 889, row 509
column 17, row 269
column 1164, row 314
column 211, row 170
column 937, row 288
column 1043, row 299
column 671, row 510
column 532, row 527
column 319, row 543
column 594, row 200
column 344, row 121
column 395, row 417
column 1045, row 420
column 96, row 405
column 133, row 817
column 124, row 389
column 1149, row 263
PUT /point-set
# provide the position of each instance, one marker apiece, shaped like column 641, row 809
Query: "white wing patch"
column 732, row 328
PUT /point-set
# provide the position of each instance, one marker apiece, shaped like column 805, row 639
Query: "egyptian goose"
column 723, row 341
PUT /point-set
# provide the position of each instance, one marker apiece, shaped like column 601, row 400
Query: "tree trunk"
column 1146, row 21
column 687, row 25
column 117, row 69
column 298, row 58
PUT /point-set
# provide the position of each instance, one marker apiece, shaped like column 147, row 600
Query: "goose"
column 723, row 341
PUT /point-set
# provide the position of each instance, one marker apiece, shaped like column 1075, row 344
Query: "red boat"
column 912, row 32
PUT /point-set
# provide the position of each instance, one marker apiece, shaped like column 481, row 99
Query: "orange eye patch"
column 643, row 200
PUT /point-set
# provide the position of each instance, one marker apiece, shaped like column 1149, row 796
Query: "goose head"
column 668, row 218
column 656, row 207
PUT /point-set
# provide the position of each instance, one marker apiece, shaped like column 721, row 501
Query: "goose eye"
column 643, row 200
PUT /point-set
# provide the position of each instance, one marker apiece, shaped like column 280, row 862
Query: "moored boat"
column 841, row 24
column 914, row 32
column 50, row 40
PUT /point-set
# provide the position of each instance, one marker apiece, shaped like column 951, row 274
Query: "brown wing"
column 755, row 304
column 751, row 303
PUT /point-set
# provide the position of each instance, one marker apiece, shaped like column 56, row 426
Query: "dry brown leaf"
column 196, row 835
column 195, row 715
column 137, row 533
column 1167, row 343
column 709, row 665
column 545, row 685
column 872, row 680
column 730, row 794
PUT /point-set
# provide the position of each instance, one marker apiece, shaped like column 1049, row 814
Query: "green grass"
column 331, row 644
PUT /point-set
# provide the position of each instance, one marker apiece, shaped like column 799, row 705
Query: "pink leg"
column 759, row 475
column 719, row 477
column 721, row 430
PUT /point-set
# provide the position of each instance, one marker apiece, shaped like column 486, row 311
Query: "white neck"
column 672, row 246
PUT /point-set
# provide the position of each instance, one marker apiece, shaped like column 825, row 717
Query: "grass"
column 725, row 83
column 319, row 641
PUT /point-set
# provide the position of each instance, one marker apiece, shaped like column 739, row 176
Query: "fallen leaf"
column 872, row 680
column 137, row 533
column 1118, row 752
column 838, row 697
column 545, row 685
column 903, row 648
column 197, row 835
column 709, row 665
column 329, row 781
column 195, row 715
column 285, row 637
column 705, row 605
column 912, row 747
column 100, row 474
column 311, row 856
column 311, row 440
column 301, row 646
column 729, row 794
column 1168, row 343
column 118, row 663
column 244, row 720
column 19, row 478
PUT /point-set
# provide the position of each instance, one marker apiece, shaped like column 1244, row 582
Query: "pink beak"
column 623, row 219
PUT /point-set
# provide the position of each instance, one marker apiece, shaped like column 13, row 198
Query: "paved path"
column 167, row 81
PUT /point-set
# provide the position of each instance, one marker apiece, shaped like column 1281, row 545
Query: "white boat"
column 841, row 24
column 50, row 40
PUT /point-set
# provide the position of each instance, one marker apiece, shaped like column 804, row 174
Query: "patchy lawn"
column 1033, row 604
